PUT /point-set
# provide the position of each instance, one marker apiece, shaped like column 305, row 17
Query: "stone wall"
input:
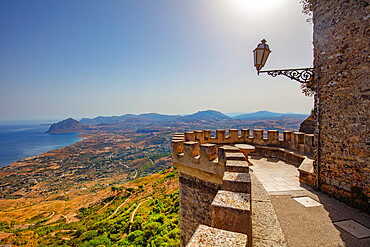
column 341, row 52
column 196, row 197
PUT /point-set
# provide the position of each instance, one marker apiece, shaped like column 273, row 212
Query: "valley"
column 90, row 192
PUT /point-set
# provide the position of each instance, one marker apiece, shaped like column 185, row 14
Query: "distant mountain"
column 262, row 115
column 69, row 125
column 209, row 115
column 148, row 117
column 209, row 118
column 107, row 120
column 233, row 114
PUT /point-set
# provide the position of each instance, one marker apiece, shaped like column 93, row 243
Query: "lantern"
column 261, row 53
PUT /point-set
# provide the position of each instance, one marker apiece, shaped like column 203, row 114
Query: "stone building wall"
column 341, row 52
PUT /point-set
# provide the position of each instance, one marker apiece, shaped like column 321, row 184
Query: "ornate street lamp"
column 303, row 75
column 261, row 53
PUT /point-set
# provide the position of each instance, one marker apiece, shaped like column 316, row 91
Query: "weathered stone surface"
column 308, row 125
column 237, row 182
column 206, row 168
column 232, row 211
column 230, row 149
column 196, row 197
column 341, row 51
column 235, row 156
column 266, row 229
column 237, row 166
column 209, row 236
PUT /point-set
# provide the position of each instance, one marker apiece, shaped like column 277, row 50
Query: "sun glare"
column 254, row 6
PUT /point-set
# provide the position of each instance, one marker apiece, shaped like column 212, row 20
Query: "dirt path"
column 51, row 215
column 134, row 212
column 115, row 211
column 108, row 203
column 151, row 161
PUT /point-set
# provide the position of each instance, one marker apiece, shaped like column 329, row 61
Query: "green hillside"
column 143, row 212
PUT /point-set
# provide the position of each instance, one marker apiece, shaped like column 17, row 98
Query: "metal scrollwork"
column 301, row 75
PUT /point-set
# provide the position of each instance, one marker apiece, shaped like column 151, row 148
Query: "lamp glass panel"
column 255, row 57
column 259, row 57
column 266, row 54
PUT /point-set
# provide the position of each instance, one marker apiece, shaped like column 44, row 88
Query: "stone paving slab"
column 307, row 226
column 276, row 176
column 354, row 228
column 307, row 201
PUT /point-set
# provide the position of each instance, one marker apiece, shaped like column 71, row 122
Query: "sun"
column 254, row 6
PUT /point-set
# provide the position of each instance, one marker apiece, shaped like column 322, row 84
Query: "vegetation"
column 154, row 200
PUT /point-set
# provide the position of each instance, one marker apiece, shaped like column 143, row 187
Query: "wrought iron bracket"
column 303, row 75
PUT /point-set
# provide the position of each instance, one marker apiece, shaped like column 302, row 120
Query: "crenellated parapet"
column 214, row 175
column 195, row 146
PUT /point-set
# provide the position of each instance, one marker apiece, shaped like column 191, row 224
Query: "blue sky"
column 80, row 58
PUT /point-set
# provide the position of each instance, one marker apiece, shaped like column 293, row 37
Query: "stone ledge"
column 265, row 225
column 228, row 199
column 237, row 182
column 209, row 236
column 306, row 174
column 230, row 149
column 235, row 156
column 237, row 166
column 231, row 211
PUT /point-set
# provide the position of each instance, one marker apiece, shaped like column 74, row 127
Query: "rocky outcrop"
column 69, row 125
column 308, row 126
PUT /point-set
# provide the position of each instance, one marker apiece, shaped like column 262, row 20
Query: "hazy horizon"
column 51, row 121
column 84, row 58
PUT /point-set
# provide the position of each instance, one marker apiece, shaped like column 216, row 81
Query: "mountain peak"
column 68, row 125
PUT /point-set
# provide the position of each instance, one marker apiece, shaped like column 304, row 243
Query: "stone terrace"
column 223, row 204
column 228, row 193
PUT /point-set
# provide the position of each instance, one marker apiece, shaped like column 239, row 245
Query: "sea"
column 24, row 139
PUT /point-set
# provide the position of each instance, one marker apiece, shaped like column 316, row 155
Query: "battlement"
column 211, row 169
column 201, row 150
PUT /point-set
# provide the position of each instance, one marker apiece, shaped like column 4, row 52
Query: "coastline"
column 24, row 142
column 46, row 152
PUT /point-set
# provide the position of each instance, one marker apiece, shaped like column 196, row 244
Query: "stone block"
column 273, row 137
column 287, row 135
column 177, row 146
column 191, row 149
column 237, row 166
column 189, row 136
column 231, row 211
column 230, row 149
column 208, row 236
column 233, row 136
column 258, row 137
column 208, row 152
column 309, row 143
column 237, row 182
column 199, row 136
column 235, row 156
column 220, row 136
column 207, row 135
column 245, row 135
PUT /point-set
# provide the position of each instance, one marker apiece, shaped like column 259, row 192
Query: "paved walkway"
column 307, row 217
column 276, row 175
